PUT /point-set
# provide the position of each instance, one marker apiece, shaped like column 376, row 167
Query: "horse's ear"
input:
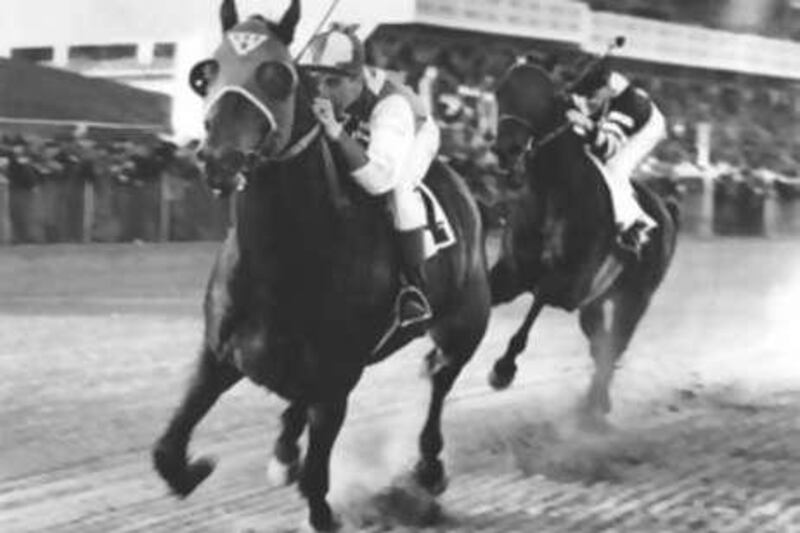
column 228, row 15
column 286, row 26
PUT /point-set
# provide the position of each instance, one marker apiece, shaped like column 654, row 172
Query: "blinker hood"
column 245, row 50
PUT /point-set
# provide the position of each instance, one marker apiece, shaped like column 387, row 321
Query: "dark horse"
column 303, row 287
column 559, row 243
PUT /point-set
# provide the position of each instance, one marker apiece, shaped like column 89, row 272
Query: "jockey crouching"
column 387, row 139
column 622, row 126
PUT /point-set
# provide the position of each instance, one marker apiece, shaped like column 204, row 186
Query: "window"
column 34, row 55
column 109, row 52
column 164, row 51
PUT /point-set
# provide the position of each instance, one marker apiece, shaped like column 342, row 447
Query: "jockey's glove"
column 582, row 124
column 323, row 110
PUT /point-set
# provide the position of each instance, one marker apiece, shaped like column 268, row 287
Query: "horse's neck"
column 566, row 175
column 570, row 206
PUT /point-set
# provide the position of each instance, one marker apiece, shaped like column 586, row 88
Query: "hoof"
column 502, row 375
column 337, row 527
column 182, row 477
column 282, row 474
column 323, row 519
column 431, row 477
column 593, row 421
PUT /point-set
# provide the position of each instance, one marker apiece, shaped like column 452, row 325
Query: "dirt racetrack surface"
column 96, row 343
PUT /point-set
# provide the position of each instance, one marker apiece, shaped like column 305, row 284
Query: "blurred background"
column 98, row 126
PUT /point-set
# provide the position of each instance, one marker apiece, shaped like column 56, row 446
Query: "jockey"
column 622, row 126
column 387, row 138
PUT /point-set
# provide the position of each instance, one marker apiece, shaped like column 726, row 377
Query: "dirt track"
column 707, row 404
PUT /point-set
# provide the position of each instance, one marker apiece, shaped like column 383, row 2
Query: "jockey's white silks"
column 405, row 202
column 617, row 171
column 401, row 150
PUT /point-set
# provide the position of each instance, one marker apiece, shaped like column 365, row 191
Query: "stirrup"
column 631, row 240
column 412, row 296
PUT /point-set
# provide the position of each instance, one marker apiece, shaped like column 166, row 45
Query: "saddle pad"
column 439, row 234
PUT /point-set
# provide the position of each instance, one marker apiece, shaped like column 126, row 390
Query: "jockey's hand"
column 581, row 123
column 323, row 110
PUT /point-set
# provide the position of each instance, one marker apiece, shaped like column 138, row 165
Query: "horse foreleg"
column 211, row 378
column 324, row 422
column 609, row 325
column 429, row 471
column 457, row 347
column 505, row 368
column 284, row 467
column 456, row 339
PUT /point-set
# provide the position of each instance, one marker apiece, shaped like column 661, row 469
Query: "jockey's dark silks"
column 622, row 128
column 623, row 117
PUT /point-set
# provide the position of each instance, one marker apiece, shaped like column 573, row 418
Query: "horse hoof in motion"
column 181, row 475
column 281, row 474
column 502, row 374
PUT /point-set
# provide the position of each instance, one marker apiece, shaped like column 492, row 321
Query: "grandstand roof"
column 43, row 94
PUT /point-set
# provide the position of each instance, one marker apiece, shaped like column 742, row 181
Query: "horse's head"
column 249, row 87
column 528, row 110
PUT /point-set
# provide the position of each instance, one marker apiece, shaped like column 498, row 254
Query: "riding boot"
column 412, row 306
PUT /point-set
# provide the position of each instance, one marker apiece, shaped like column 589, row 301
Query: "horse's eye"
column 202, row 74
column 277, row 79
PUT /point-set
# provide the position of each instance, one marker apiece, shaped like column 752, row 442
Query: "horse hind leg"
column 609, row 325
column 210, row 380
column 505, row 368
column 504, row 282
column 325, row 419
column 284, row 467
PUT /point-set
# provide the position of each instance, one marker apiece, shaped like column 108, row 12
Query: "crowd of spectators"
column 30, row 160
column 46, row 178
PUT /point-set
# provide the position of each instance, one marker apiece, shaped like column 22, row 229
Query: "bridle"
column 532, row 145
column 257, row 157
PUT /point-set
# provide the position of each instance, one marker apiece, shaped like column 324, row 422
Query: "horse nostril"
column 233, row 160
column 251, row 159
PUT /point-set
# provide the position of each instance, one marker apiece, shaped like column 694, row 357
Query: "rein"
column 339, row 198
column 534, row 145
column 298, row 147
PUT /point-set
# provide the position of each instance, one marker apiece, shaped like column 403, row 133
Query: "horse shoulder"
column 220, row 304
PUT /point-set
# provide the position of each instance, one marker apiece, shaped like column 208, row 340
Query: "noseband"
column 257, row 157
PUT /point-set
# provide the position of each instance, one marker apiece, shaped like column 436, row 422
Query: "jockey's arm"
column 378, row 167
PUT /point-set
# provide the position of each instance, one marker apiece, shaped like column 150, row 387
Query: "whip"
column 316, row 31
